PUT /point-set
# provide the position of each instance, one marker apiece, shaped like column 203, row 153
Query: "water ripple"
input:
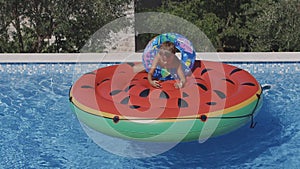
column 38, row 130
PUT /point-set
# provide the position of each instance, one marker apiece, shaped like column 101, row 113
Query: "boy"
column 169, row 64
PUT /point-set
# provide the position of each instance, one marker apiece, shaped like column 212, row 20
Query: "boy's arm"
column 182, row 78
column 153, row 83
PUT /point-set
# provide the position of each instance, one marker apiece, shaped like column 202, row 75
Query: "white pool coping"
column 136, row 57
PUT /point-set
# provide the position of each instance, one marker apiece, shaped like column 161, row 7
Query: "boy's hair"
column 168, row 46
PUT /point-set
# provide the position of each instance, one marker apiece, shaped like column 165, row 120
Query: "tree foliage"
column 275, row 26
column 231, row 25
column 242, row 25
column 53, row 25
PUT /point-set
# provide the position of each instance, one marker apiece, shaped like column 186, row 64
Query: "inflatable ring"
column 186, row 48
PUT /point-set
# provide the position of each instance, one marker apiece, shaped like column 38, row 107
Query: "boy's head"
column 167, row 48
column 167, row 53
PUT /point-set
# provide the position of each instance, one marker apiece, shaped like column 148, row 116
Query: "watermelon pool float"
column 216, row 99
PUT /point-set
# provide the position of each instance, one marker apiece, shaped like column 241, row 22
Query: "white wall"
column 136, row 57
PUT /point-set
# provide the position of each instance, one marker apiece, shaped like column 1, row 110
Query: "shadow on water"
column 241, row 146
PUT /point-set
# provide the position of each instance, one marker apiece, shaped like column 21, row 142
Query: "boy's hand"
column 155, row 84
column 178, row 85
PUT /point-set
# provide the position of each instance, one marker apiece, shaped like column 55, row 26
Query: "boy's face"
column 166, row 56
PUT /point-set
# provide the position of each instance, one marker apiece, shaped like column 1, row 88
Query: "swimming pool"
column 38, row 129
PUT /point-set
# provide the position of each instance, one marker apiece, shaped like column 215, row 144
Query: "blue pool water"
column 38, row 129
